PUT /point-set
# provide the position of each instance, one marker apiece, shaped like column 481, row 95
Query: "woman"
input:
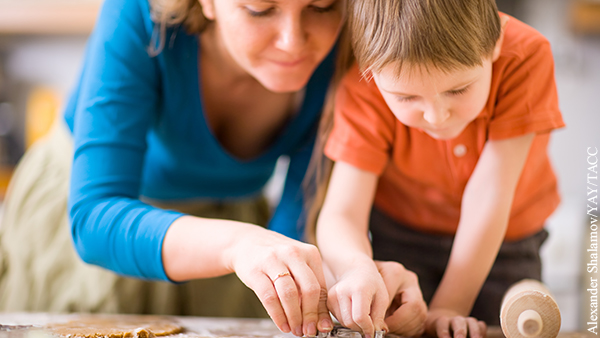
column 181, row 105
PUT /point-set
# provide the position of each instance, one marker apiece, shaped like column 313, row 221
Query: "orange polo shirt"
column 422, row 179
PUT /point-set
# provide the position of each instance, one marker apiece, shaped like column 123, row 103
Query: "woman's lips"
column 288, row 63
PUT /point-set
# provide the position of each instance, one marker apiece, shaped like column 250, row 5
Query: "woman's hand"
column 287, row 277
column 407, row 312
column 441, row 322
column 359, row 298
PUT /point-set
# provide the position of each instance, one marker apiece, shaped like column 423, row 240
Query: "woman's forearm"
column 196, row 247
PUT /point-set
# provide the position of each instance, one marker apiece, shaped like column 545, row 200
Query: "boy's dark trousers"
column 427, row 255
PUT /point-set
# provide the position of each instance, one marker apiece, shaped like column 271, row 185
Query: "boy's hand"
column 407, row 312
column 441, row 322
column 359, row 298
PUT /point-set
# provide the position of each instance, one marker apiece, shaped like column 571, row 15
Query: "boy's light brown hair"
column 446, row 34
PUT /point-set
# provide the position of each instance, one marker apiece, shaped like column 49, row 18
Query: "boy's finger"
column 410, row 310
column 482, row 328
column 405, row 321
column 415, row 331
column 442, row 327
column 378, row 310
column 361, row 310
column 459, row 327
column 333, row 304
column 474, row 329
column 346, row 313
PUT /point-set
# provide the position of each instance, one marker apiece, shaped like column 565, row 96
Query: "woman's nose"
column 291, row 36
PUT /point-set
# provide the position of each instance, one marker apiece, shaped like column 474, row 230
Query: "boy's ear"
column 498, row 48
column 208, row 9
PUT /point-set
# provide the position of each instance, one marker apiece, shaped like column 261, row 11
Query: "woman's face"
column 278, row 42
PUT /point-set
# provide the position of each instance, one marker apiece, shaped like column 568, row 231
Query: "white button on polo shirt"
column 460, row 150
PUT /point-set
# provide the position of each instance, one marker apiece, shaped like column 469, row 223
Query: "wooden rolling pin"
column 529, row 311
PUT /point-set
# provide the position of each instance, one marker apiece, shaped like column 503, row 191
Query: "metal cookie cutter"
column 344, row 332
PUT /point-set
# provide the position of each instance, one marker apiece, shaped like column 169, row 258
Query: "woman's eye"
column 258, row 13
column 324, row 9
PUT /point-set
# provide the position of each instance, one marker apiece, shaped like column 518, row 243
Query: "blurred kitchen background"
column 41, row 47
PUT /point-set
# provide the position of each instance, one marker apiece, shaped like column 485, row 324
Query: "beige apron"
column 40, row 270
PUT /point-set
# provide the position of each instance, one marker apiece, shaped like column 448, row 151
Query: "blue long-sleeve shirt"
column 139, row 130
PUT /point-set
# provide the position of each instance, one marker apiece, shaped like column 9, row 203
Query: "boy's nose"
column 436, row 117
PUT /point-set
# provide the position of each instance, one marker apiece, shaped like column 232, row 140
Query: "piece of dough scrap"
column 116, row 326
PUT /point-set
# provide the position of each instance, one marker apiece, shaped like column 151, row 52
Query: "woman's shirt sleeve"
column 115, row 104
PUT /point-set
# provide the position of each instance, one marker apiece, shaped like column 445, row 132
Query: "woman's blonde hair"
column 319, row 169
column 446, row 34
column 166, row 13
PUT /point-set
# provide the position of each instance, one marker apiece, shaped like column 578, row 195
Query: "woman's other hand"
column 287, row 276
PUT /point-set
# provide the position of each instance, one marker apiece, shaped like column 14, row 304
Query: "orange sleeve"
column 363, row 125
column 527, row 99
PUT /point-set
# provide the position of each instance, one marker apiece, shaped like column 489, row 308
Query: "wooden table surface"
column 213, row 327
column 496, row 332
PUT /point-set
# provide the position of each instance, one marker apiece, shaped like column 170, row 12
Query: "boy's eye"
column 404, row 98
column 458, row 91
column 259, row 13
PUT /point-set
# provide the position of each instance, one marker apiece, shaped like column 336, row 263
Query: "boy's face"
column 439, row 103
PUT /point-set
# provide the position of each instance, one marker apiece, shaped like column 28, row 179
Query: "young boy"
column 440, row 146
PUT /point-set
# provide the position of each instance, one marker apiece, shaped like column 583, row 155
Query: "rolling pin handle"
column 530, row 323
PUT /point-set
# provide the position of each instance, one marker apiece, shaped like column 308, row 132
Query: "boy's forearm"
column 474, row 251
column 343, row 222
column 485, row 212
column 341, row 244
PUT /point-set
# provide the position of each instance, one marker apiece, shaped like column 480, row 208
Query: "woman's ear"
column 498, row 47
column 208, row 9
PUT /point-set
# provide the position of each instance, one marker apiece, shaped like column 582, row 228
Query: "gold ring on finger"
column 283, row 274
